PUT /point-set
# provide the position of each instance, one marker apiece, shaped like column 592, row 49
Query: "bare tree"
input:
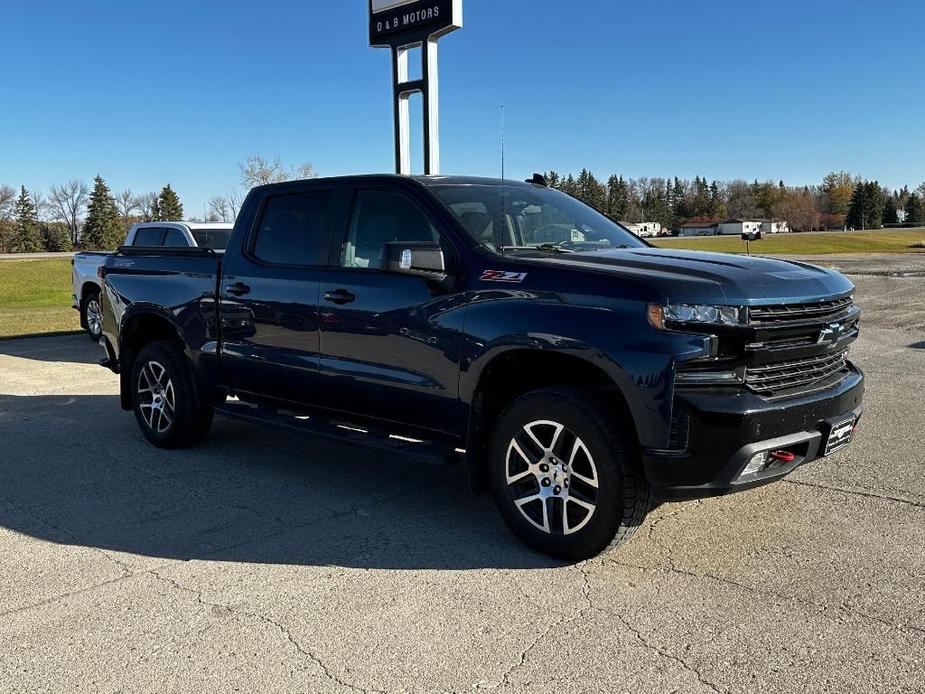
column 257, row 170
column 67, row 202
column 146, row 204
column 127, row 203
column 234, row 204
column 7, row 200
column 41, row 204
column 220, row 209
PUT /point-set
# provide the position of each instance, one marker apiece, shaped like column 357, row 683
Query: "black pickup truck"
column 579, row 372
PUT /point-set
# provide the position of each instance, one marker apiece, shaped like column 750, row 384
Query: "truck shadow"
column 74, row 349
column 75, row 470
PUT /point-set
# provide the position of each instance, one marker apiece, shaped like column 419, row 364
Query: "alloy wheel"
column 94, row 317
column 551, row 477
column 156, row 397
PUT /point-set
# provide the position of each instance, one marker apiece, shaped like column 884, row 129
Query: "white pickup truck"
column 86, row 266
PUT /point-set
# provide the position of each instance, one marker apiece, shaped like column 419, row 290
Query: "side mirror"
column 423, row 259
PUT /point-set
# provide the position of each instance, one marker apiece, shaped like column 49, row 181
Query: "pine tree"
column 26, row 237
column 889, row 211
column 56, row 237
column 569, row 185
column 915, row 210
column 874, row 207
column 169, row 207
column 618, row 198
column 590, row 191
column 856, row 208
column 553, row 179
column 102, row 230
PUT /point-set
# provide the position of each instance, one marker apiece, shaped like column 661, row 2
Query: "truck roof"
column 427, row 181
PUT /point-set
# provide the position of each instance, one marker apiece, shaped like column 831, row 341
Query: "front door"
column 390, row 342
column 269, row 293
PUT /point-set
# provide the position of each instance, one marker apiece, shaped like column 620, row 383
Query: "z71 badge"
column 502, row 276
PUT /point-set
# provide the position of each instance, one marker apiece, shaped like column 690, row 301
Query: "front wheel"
column 566, row 475
column 92, row 315
column 165, row 399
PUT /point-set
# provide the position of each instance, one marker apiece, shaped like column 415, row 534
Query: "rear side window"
column 148, row 236
column 381, row 217
column 293, row 228
column 175, row 239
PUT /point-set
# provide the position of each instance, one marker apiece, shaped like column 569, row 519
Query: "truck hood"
column 720, row 278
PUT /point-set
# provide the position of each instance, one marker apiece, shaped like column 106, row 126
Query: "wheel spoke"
column 513, row 479
column 555, row 437
column 516, row 446
column 591, row 482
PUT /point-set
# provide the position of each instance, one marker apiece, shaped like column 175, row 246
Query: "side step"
column 425, row 452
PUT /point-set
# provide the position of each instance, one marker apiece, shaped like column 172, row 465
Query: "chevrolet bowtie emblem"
column 830, row 334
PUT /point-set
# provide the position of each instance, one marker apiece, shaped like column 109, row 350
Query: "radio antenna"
column 501, row 220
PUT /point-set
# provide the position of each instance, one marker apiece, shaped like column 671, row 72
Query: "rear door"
column 269, row 296
column 389, row 341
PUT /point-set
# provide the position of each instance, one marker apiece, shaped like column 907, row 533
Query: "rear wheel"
column 565, row 474
column 92, row 315
column 165, row 399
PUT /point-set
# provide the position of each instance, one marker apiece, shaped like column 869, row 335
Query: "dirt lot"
column 265, row 561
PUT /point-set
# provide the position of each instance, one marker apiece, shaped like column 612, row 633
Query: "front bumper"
column 724, row 429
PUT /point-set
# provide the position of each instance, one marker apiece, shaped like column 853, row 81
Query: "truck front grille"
column 781, row 377
column 783, row 313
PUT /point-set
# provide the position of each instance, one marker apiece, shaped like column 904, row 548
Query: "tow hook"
column 783, row 456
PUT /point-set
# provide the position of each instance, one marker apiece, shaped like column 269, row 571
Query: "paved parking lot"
column 267, row 561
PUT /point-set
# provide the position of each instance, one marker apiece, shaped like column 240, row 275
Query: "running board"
column 425, row 452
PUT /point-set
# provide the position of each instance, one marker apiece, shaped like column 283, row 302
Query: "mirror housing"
column 422, row 259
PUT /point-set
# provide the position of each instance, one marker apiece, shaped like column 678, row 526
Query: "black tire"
column 90, row 316
column 165, row 402
column 603, row 451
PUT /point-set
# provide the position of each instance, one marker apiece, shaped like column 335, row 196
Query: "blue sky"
column 175, row 90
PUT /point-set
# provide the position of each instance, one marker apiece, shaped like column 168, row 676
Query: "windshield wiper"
column 547, row 247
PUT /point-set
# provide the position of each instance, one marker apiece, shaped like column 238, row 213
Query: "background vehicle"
column 86, row 265
column 581, row 370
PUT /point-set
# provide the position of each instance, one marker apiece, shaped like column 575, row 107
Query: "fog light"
column 756, row 464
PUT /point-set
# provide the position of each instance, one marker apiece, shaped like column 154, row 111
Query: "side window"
column 294, row 227
column 380, row 217
column 148, row 236
column 175, row 239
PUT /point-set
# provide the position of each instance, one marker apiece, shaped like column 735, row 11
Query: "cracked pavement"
column 267, row 561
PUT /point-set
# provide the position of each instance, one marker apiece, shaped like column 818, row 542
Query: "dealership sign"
column 403, row 25
column 394, row 22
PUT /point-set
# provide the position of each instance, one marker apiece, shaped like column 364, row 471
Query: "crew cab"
column 86, row 266
column 578, row 371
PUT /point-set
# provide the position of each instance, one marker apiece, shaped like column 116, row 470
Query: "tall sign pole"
column 403, row 25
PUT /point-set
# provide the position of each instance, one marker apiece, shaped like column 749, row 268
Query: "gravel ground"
column 266, row 561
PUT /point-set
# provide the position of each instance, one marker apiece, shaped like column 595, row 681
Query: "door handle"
column 238, row 289
column 340, row 296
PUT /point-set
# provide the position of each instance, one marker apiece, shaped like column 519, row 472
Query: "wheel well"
column 137, row 332
column 518, row 372
column 88, row 289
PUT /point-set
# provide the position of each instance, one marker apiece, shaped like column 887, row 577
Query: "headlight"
column 662, row 317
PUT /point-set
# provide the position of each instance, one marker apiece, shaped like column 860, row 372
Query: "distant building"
column 769, row 227
column 697, row 229
column 737, row 227
column 644, row 229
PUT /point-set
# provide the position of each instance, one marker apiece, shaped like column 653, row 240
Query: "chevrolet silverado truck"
column 578, row 372
column 85, row 267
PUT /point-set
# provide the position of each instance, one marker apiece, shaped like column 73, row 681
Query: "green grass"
column 35, row 297
column 885, row 241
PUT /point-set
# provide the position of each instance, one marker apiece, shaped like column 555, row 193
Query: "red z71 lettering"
column 502, row 276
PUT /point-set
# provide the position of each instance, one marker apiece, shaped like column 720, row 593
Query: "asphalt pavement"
column 266, row 561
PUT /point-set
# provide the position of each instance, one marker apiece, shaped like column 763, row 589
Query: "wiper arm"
column 547, row 247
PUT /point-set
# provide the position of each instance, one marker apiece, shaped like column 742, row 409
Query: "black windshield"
column 532, row 217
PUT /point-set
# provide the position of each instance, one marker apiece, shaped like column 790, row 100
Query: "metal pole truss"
column 428, row 87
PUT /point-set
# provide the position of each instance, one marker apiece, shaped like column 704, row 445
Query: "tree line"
column 840, row 201
column 90, row 217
